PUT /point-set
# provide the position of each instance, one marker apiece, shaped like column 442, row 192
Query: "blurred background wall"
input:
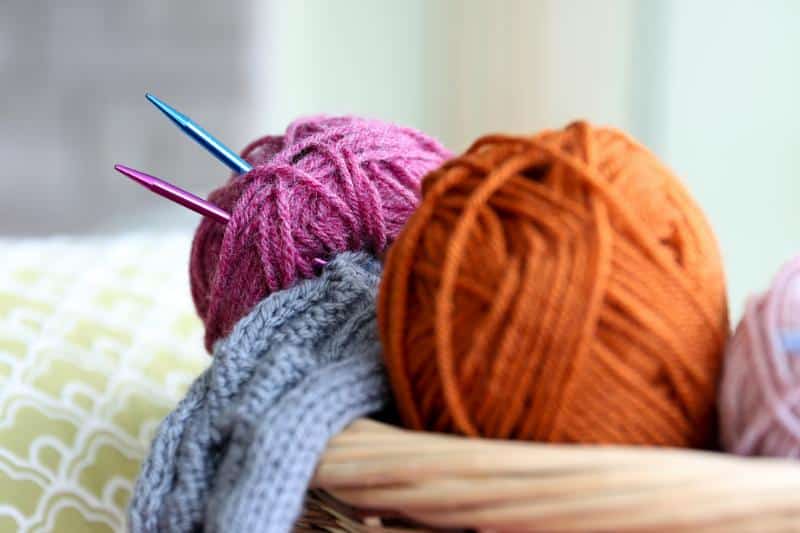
column 72, row 80
column 711, row 86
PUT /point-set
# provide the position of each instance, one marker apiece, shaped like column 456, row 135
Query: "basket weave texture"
column 377, row 477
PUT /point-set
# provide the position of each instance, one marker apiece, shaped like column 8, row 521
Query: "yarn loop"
column 562, row 287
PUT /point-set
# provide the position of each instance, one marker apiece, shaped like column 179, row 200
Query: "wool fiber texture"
column 238, row 452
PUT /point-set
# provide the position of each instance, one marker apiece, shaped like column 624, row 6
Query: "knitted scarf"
column 238, row 452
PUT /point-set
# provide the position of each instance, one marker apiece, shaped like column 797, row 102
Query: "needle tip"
column 176, row 194
column 134, row 174
column 173, row 114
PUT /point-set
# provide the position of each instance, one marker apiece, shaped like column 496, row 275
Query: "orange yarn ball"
column 562, row 287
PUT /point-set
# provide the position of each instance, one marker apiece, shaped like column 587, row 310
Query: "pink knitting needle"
column 184, row 198
column 176, row 194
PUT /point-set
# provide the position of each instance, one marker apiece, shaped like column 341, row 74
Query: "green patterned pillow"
column 98, row 341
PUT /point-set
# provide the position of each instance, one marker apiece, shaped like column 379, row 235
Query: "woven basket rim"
column 449, row 481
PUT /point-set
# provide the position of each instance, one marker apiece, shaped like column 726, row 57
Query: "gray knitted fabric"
column 238, row 452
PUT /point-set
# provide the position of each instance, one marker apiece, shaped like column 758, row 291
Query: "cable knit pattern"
column 239, row 451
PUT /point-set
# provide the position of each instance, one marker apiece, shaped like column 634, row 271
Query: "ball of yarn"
column 759, row 399
column 328, row 185
column 562, row 287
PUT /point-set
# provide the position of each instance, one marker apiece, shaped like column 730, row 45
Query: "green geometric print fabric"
column 98, row 342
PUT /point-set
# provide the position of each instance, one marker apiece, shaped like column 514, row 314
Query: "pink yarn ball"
column 328, row 185
column 760, row 391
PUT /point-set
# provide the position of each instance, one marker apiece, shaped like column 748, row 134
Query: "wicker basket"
column 376, row 477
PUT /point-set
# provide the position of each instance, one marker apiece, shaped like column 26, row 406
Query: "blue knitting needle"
column 791, row 341
column 205, row 139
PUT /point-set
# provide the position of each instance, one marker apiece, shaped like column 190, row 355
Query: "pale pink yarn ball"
column 759, row 398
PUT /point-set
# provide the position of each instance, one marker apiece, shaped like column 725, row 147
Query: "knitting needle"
column 176, row 194
column 201, row 136
column 791, row 341
column 185, row 198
